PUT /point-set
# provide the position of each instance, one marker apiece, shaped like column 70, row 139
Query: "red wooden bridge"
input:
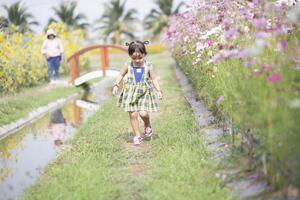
column 74, row 63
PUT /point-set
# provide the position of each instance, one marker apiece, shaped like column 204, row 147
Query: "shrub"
column 243, row 58
column 21, row 62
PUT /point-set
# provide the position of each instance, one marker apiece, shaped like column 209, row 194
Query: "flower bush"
column 243, row 57
column 21, row 62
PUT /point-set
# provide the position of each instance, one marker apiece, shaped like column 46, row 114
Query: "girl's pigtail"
column 127, row 44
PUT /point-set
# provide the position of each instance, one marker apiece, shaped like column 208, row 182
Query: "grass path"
column 102, row 163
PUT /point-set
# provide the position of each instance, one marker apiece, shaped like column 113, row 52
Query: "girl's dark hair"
column 137, row 46
column 48, row 36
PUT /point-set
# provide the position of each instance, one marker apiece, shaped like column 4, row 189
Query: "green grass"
column 16, row 106
column 102, row 163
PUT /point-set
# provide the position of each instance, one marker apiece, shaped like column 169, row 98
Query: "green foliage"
column 158, row 18
column 117, row 24
column 18, row 15
column 65, row 13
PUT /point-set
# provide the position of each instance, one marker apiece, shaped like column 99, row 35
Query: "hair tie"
column 146, row 42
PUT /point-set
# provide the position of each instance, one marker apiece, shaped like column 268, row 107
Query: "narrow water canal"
column 24, row 154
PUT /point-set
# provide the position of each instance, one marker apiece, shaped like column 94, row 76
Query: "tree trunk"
column 117, row 37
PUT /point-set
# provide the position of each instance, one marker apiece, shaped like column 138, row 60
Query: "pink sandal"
column 148, row 132
column 137, row 140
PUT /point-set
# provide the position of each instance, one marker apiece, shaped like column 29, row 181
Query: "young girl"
column 137, row 96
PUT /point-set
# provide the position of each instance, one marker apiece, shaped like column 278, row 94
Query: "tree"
column 65, row 13
column 3, row 22
column 19, row 16
column 158, row 17
column 115, row 22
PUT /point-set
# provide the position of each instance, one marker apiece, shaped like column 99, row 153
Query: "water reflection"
column 57, row 127
column 76, row 117
column 24, row 154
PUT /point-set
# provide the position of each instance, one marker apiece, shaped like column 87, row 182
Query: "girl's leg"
column 145, row 117
column 135, row 123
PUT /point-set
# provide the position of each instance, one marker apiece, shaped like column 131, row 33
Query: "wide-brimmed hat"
column 50, row 32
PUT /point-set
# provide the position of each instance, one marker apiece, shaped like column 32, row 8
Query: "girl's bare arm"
column 122, row 73
column 154, row 79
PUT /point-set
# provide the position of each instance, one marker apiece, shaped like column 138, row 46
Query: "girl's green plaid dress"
column 138, row 96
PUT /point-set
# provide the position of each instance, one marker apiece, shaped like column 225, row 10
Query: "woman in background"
column 52, row 49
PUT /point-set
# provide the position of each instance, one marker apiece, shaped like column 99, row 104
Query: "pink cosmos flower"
column 221, row 46
column 243, row 53
column 199, row 46
column 282, row 44
column 230, row 33
column 260, row 23
column 266, row 67
column 226, row 22
column 262, row 35
column 217, row 57
column 169, row 34
column 275, row 78
column 210, row 42
column 230, row 53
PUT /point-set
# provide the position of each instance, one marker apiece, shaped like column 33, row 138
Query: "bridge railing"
column 74, row 63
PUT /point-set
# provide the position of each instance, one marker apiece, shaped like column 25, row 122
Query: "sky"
column 42, row 9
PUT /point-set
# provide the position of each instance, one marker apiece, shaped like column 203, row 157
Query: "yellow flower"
column 51, row 26
column 63, row 28
column 28, row 35
column 4, row 59
column 57, row 29
column 6, row 47
column 17, row 39
column 1, row 38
